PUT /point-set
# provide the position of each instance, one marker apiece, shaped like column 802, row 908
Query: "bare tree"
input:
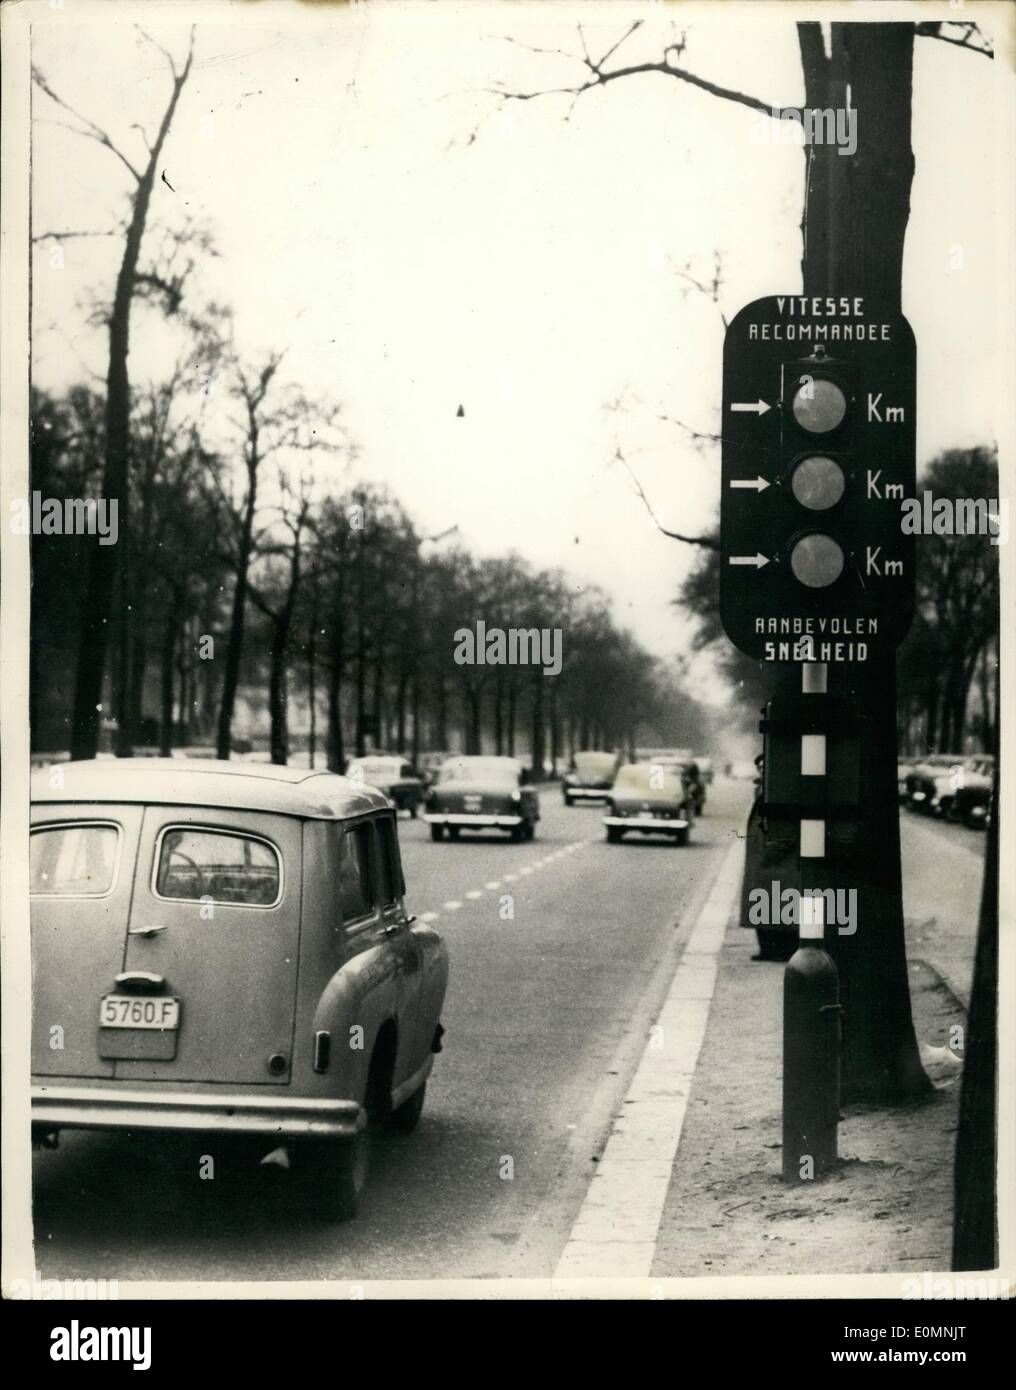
column 106, row 560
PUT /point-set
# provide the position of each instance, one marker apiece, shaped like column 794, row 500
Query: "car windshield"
column 595, row 764
column 499, row 771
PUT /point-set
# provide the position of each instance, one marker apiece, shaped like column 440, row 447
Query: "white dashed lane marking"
column 496, row 883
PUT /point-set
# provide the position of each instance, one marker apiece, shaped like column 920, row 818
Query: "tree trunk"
column 106, row 560
column 278, row 693
column 169, row 644
column 234, row 650
column 849, row 251
column 538, row 729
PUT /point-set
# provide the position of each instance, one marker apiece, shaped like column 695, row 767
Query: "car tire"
column 775, row 945
column 406, row 1117
column 529, row 830
column 614, row 833
column 413, row 811
column 454, row 831
column 437, row 833
column 567, row 800
column 334, row 1175
column 681, row 838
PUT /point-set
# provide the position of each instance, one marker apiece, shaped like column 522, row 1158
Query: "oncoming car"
column 590, row 777
column 224, row 948
column 394, row 776
column 480, row 793
column 651, row 798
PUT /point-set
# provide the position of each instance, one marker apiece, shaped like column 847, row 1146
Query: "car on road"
column 399, row 780
column 650, row 799
column 590, row 777
column 932, row 783
column 691, row 772
column 971, row 798
column 482, row 793
column 225, row 948
column 904, row 767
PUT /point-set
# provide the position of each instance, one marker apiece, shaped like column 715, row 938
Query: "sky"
column 416, row 246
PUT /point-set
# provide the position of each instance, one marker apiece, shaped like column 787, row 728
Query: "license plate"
column 131, row 1011
column 472, row 803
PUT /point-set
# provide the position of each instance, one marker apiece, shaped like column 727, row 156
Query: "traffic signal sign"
column 818, row 455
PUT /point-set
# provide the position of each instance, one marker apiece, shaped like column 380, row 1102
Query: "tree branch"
column 706, row 542
column 599, row 76
column 929, row 29
column 91, row 131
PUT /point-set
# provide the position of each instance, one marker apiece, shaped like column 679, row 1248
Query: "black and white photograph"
column 507, row 624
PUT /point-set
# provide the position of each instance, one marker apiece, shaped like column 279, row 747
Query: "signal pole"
column 817, row 583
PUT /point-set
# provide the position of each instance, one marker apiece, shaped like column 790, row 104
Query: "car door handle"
column 144, row 931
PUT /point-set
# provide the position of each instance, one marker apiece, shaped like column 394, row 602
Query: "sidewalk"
column 888, row 1208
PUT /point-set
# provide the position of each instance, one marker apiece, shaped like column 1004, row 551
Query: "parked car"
column 399, row 780
column 931, row 784
column 590, row 777
column 971, row 799
column 206, row 937
column 904, row 767
column 479, row 793
column 651, row 799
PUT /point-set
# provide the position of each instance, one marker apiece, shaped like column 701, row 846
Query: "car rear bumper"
column 72, row 1107
column 646, row 822
column 464, row 818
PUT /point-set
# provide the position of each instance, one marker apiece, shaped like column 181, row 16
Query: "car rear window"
column 74, row 861
column 228, row 868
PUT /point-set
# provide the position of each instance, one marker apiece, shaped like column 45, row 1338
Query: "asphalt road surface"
column 546, row 1018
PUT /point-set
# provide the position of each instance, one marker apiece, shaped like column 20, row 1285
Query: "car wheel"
column 614, row 833
column 453, row 832
column 775, row 945
column 681, row 838
column 529, row 830
column 413, row 811
column 437, row 832
column 516, row 834
column 405, row 1119
column 335, row 1174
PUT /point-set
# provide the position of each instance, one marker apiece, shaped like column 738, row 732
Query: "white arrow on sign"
column 757, row 560
column 758, row 407
column 759, row 484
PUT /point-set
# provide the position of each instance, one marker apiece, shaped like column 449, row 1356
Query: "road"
column 547, row 1017
column 546, row 1020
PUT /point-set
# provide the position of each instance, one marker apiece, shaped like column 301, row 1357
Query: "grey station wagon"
column 225, row 948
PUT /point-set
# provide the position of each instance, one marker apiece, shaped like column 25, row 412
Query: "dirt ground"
column 889, row 1205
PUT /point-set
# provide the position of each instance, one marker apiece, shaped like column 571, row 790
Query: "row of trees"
column 251, row 571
